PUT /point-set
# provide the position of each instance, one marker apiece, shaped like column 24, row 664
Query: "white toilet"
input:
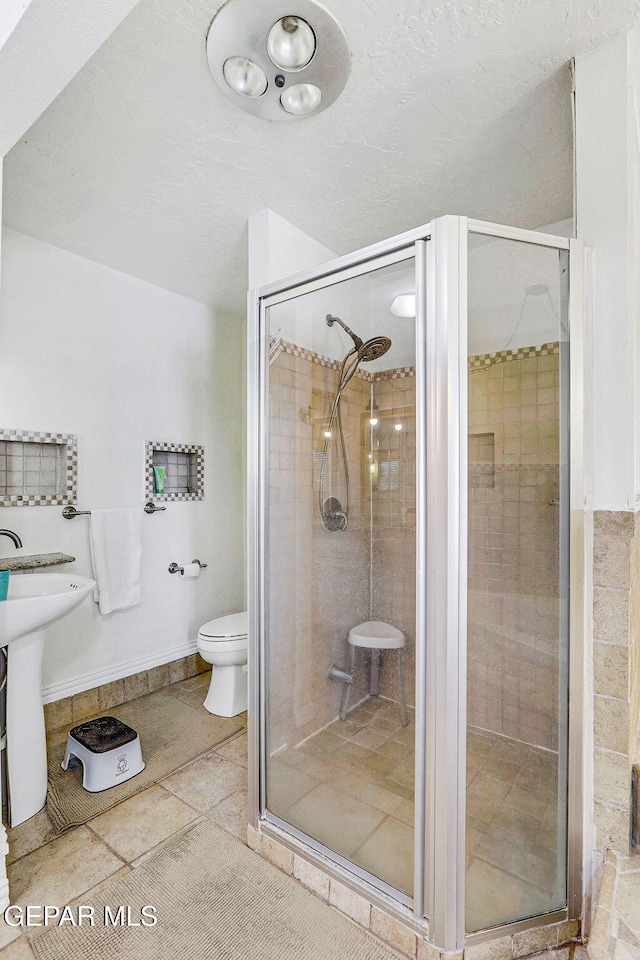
column 223, row 643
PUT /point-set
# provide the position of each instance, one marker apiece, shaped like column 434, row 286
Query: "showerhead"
column 368, row 351
column 374, row 348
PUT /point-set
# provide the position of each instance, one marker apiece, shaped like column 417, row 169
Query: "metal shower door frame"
column 440, row 250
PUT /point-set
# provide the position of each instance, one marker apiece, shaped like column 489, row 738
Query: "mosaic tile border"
column 480, row 361
column 396, row 373
column 165, row 447
column 70, row 495
column 524, row 353
column 295, row 351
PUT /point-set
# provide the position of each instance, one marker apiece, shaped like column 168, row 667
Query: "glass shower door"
column 339, row 752
column 518, row 577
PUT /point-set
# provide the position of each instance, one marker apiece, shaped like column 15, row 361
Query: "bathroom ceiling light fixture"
column 404, row 305
column 278, row 59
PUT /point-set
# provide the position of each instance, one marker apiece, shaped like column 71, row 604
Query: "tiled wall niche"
column 184, row 467
column 37, row 468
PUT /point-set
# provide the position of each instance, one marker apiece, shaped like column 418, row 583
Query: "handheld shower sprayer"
column 334, row 516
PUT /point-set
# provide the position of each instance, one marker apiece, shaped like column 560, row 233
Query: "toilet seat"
column 232, row 627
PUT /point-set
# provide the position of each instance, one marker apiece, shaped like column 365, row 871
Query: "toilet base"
column 227, row 694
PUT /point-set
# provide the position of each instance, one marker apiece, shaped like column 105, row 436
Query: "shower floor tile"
column 354, row 781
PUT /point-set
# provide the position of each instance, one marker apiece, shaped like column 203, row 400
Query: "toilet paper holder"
column 176, row 568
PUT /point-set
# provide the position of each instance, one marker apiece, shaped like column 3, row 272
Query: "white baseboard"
column 58, row 691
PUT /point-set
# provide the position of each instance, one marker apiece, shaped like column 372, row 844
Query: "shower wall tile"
column 513, row 545
column 393, row 525
column 616, row 672
column 319, row 581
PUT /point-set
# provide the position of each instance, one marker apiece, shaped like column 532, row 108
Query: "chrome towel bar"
column 69, row 512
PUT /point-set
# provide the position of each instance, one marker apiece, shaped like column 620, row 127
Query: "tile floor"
column 626, row 919
column 69, row 868
column 351, row 787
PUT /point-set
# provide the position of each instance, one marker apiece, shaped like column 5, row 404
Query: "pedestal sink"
column 33, row 602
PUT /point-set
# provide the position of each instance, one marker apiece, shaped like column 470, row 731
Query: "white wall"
column 607, row 212
column 43, row 45
column 117, row 361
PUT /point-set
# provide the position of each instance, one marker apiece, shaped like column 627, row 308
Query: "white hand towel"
column 116, row 554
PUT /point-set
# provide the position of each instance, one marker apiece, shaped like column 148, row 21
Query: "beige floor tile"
column 525, row 801
column 479, row 744
column 285, row 786
column 30, row 835
column 333, row 818
column 235, row 750
column 192, row 698
column 94, row 891
column 512, row 821
column 406, row 735
column 406, row 793
column 405, row 812
column 353, row 752
column 628, row 900
column 345, row 728
column 384, row 725
column 323, row 744
column 370, row 793
column 378, row 765
column 501, row 769
column 515, row 856
column 142, row 822
column 388, row 854
column 206, row 781
column 481, row 809
column 506, row 750
column 231, row 814
column 193, row 684
column 538, row 786
column 18, row 950
column 63, row 869
column 405, row 773
column 397, row 751
column 487, row 789
column 494, row 897
column 7, row 934
column 371, row 739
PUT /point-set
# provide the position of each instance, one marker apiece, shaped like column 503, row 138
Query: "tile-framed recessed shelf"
column 184, row 466
column 38, row 469
column 482, row 461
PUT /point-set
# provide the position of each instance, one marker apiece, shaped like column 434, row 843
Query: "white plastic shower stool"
column 109, row 751
column 376, row 636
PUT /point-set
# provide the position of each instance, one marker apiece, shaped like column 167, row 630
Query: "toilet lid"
column 227, row 628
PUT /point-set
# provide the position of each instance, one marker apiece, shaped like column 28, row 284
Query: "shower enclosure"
column 410, row 447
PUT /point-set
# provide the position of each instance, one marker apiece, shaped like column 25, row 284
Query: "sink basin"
column 35, row 600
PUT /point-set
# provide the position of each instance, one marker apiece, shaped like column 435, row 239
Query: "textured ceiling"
column 457, row 106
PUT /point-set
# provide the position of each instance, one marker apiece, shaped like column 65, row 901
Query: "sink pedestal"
column 26, row 740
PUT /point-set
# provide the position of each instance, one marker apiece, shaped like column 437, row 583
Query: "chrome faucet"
column 12, row 536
